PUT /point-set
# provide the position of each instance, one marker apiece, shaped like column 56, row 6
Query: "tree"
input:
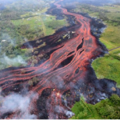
column 106, row 109
column 30, row 82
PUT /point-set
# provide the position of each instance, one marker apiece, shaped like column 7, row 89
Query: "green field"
column 108, row 66
column 111, row 37
column 38, row 25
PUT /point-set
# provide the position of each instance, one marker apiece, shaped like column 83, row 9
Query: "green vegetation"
column 108, row 66
column 33, row 81
column 27, row 19
column 106, row 109
column 37, row 26
column 111, row 37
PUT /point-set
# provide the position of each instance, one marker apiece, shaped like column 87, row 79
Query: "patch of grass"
column 49, row 31
column 111, row 37
column 108, row 66
column 107, row 43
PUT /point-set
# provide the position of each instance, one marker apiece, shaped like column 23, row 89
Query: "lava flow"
column 61, row 78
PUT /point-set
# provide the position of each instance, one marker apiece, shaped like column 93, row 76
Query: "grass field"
column 108, row 66
column 38, row 25
column 111, row 37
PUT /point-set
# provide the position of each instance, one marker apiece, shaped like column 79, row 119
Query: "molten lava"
column 63, row 77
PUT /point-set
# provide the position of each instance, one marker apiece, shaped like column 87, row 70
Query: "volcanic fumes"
column 60, row 77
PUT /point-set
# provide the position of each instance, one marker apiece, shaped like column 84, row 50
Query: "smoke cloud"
column 16, row 60
column 16, row 102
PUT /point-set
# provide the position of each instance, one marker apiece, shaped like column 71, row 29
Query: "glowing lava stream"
column 53, row 76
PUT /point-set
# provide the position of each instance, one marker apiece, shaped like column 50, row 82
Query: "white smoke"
column 30, row 46
column 60, row 109
column 7, row 38
column 16, row 60
column 16, row 102
column 69, row 114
